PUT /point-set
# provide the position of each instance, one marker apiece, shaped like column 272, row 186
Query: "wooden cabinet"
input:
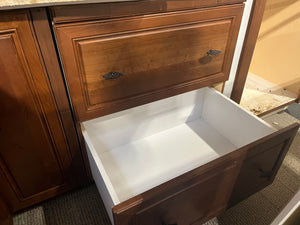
column 36, row 161
column 112, row 65
column 193, row 200
column 187, row 157
column 178, row 153
column 181, row 160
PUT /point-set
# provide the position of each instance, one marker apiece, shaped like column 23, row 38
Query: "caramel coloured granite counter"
column 17, row 4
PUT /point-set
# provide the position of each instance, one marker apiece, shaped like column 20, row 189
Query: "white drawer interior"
column 135, row 150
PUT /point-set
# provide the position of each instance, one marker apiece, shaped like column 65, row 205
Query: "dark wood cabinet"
column 185, row 200
column 35, row 157
column 181, row 160
column 263, row 159
column 118, row 56
column 155, row 56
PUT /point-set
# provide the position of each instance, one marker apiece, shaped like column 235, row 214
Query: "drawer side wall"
column 233, row 122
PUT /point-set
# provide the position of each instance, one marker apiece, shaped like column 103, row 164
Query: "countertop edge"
column 63, row 3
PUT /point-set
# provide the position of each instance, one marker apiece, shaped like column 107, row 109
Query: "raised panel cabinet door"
column 35, row 159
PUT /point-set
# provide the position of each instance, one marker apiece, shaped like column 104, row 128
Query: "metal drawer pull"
column 213, row 52
column 265, row 174
column 113, row 75
column 163, row 223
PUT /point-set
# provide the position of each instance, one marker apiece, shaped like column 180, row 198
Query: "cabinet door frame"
column 255, row 20
column 18, row 24
column 53, row 67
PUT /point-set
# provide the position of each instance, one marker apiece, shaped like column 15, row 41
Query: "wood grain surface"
column 51, row 60
column 197, row 195
column 160, row 56
column 248, row 49
column 262, row 162
column 62, row 14
column 35, row 157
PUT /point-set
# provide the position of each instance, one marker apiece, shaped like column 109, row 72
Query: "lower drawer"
column 178, row 160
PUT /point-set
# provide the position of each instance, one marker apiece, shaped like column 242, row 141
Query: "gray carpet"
column 84, row 206
column 294, row 110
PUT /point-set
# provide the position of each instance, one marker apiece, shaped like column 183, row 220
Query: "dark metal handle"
column 113, row 75
column 265, row 174
column 213, row 52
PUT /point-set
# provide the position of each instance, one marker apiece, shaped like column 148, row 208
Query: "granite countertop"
column 17, row 4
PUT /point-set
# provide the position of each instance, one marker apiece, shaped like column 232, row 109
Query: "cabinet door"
column 262, row 162
column 35, row 159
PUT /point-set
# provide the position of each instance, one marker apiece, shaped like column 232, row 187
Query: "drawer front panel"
column 151, row 61
column 262, row 162
column 197, row 203
column 190, row 198
column 155, row 57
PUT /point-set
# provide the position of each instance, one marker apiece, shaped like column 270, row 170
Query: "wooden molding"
column 88, row 12
column 50, row 57
column 248, row 49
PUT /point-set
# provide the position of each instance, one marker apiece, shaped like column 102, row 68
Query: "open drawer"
column 178, row 160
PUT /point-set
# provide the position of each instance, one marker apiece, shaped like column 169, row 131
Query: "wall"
column 277, row 53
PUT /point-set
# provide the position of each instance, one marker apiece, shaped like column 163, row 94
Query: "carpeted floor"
column 84, row 206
